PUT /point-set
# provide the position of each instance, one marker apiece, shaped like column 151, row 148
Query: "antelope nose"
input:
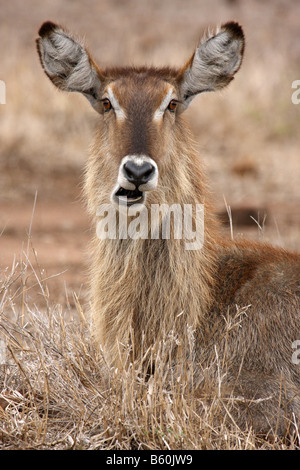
column 138, row 174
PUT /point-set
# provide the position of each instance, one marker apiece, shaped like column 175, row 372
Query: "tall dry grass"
column 57, row 392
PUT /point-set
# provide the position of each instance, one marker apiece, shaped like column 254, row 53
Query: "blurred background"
column 248, row 135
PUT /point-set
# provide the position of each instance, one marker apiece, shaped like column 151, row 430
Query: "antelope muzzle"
column 137, row 175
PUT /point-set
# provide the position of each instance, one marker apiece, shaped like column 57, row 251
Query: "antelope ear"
column 213, row 64
column 67, row 63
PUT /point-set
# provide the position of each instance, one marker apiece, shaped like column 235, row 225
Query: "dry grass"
column 58, row 393
column 55, row 389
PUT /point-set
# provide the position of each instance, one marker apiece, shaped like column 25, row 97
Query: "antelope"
column 143, row 154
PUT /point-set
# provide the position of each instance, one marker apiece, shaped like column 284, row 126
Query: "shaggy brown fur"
column 143, row 290
column 150, row 282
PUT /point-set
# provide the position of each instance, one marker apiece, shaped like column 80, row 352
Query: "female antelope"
column 144, row 287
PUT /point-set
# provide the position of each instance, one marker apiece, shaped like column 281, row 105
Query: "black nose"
column 138, row 174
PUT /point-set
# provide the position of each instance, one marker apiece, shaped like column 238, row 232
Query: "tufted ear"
column 213, row 64
column 67, row 63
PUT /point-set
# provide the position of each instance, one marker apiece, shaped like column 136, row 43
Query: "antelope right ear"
column 67, row 63
column 214, row 63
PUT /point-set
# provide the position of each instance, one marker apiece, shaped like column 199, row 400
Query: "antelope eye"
column 106, row 105
column 172, row 106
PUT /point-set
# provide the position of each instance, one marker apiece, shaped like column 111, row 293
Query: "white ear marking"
column 67, row 63
column 214, row 63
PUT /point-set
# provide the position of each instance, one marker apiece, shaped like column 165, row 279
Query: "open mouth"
column 129, row 197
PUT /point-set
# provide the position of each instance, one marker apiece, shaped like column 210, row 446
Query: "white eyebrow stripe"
column 120, row 113
column 163, row 105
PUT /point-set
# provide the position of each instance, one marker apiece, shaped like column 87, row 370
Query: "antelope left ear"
column 68, row 64
column 214, row 63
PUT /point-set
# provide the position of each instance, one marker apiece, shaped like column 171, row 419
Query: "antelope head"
column 141, row 107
